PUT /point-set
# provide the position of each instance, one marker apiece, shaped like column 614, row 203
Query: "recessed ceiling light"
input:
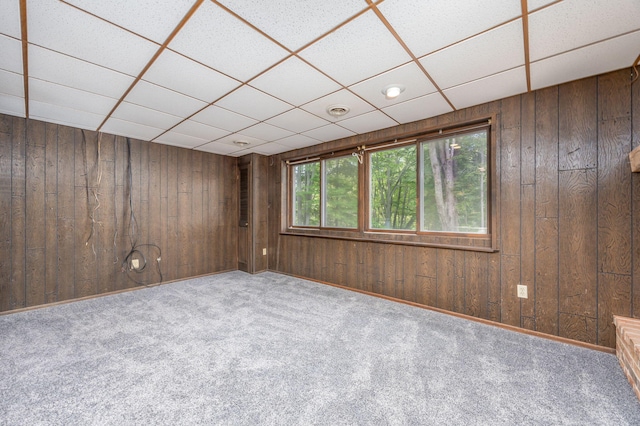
column 393, row 91
column 241, row 143
column 338, row 110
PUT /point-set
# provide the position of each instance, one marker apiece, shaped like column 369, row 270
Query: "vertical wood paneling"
column 578, row 141
column 476, row 289
column 635, row 200
column 5, row 212
column 51, row 213
column 66, row 213
column 527, row 255
column 18, row 215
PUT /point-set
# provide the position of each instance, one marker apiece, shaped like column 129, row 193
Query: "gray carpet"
column 240, row 349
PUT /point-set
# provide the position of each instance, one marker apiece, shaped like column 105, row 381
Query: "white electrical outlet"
column 135, row 263
column 264, row 251
column 522, row 291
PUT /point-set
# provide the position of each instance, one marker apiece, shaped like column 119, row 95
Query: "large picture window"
column 435, row 184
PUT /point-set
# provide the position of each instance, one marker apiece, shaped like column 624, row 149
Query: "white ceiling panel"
column 297, row 121
column 494, row 51
column 427, row 26
column 12, row 105
column 183, row 75
column 181, row 140
column 298, row 141
column 410, row 76
column 357, row 51
column 212, row 36
column 11, row 56
column 253, row 103
column 10, row 18
column 419, row 108
column 594, row 59
column 224, row 119
column 156, row 97
column 329, row 132
column 368, row 122
column 295, row 82
column 153, row 19
column 343, row 97
column 235, row 150
column 11, row 83
column 271, row 148
column 55, row 94
column 65, row 70
column 266, row 132
column 290, row 23
column 218, row 148
column 497, row 86
column 537, row 4
column 129, row 129
column 199, row 130
column 63, row 115
column 575, row 23
column 145, row 116
column 63, row 28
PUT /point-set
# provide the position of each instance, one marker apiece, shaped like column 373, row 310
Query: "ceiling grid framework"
column 203, row 74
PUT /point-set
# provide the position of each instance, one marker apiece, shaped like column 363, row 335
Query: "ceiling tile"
column 494, row 51
column 11, row 83
column 156, row 97
column 613, row 54
column 146, row 116
column 356, row 51
column 154, row 19
column 253, row 103
column 11, row 57
column 218, row 148
column 295, row 82
column 328, row 133
column 10, row 18
column 129, row 129
column 410, row 76
column 575, row 23
column 298, row 141
column 290, row 22
column 497, row 86
column 537, row 4
column 223, row 119
column 181, row 140
column 419, row 108
column 63, row 115
column 426, row 26
column 62, row 69
column 297, row 121
column 11, row 105
column 343, row 97
column 271, row 148
column 183, row 75
column 63, row 28
column 199, row 130
column 212, row 36
column 266, row 132
column 368, row 122
column 63, row 96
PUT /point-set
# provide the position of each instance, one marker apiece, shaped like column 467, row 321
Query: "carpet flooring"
column 269, row 349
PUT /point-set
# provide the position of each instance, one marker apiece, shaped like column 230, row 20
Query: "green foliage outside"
column 341, row 192
column 393, row 188
column 306, row 194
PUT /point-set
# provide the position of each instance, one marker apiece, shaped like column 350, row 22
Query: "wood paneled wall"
column 52, row 179
column 569, row 220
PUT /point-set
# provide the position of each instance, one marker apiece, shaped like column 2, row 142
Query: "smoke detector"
column 338, row 110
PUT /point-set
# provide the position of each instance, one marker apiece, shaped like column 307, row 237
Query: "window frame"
column 414, row 237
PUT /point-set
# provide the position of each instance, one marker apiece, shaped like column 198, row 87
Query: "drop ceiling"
column 204, row 74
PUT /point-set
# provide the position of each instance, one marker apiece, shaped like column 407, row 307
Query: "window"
column 437, row 184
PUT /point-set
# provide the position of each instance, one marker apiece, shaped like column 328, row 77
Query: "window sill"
column 467, row 243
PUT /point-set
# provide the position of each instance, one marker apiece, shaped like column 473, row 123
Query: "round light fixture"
column 241, row 143
column 338, row 110
column 392, row 91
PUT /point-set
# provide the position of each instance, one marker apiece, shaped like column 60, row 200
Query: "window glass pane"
column 341, row 192
column 454, row 184
column 393, row 188
column 306, row 194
